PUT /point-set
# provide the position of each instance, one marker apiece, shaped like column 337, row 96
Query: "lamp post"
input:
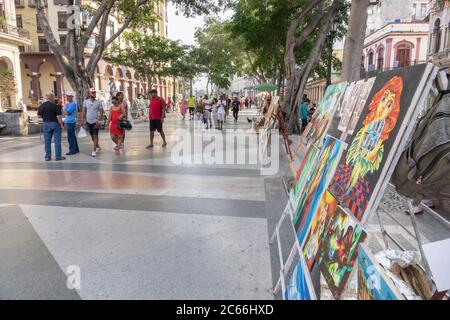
column 331, row 36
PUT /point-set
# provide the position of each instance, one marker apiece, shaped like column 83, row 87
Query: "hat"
column 70, row 94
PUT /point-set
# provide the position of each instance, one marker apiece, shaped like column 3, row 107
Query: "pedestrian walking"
column 208, row 111
column 116, row 114
column 183, row 108
column 70, row 121
column 214, row 113
column 120, row 96
column 157, row 114
column 92, row 115
column 235, row 106
column 192, row 102
column 221, row 115
column 53, row 125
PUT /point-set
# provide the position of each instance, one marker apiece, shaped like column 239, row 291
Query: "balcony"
column 14, row 34
column 41, row 48
column 32, row 3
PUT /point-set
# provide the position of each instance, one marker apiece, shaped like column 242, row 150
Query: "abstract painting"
column 300, row 286
column 323, row 214
column 378, row 133
column 317, row 129
column 338, row 251
column 373, row 282
column 353, row 105
column 303, row 174
column 320, row 178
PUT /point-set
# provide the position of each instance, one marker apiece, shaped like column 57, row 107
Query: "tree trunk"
column 297, row 79
column 354, row 43
column 329, row 62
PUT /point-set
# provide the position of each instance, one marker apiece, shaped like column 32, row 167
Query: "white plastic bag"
column 82, row 133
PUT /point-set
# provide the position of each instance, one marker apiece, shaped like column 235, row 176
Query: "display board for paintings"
column 379, row 132
column 299, row 286
column 373, row 282
column 318, row 182
column 338, row 250
column 317, row 129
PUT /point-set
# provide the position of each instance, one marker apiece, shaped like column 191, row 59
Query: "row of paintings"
column 335, row 188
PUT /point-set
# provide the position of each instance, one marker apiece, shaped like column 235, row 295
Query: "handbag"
column 124, row 125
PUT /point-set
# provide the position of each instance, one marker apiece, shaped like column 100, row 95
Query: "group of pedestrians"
column 91, row 117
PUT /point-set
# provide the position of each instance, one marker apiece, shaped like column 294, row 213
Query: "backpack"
column 423, row 171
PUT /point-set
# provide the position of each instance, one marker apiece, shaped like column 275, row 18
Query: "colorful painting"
column 300, row 286
column 323, row 214
column 317, row 129
column 320, row 178
column 379, row 131
column 373, row 282
column 338, row 251
column 353, row 105
column 303, row 174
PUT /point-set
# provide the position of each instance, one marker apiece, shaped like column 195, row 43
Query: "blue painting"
column 373, row 283
column 299, row 286
column 311, row 196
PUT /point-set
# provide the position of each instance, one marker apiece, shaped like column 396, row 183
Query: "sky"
column 183, row 29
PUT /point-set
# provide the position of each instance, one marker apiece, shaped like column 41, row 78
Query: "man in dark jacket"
column 53, row 125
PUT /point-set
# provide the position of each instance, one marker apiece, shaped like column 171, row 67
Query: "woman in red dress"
column 116, row 113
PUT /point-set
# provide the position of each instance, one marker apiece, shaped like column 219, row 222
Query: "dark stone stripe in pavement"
column 217, row 207
column 204, row 171
column 27, row 268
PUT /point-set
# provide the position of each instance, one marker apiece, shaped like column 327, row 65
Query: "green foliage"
column 218, row 55
column 7, row 84
column 153, row 56
column 262, row 26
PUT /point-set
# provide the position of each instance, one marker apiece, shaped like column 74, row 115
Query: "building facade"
column 41, row 72
column 439, row 33
column 11, row 38
column 397, row 36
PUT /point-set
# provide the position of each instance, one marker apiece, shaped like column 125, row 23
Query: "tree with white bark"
column 354, row 42
column 77, row 64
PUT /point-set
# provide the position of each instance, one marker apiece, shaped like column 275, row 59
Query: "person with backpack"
column 157, row 114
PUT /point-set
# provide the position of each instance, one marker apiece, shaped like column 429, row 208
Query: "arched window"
column 437, row 34
column 380, row 61
column 404, row 55
column 371, row 59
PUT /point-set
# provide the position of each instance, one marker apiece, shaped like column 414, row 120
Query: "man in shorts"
column 93, row 115
column 157, row 113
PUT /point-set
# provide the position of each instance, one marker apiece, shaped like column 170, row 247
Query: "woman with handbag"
column 116, row 114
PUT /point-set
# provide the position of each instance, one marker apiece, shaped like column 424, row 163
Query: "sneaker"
column 94, row 154
column 62, row 158
column 164, row 145
column 149, row 146
column 48, row 158
column 97, row 149
column 122, row 146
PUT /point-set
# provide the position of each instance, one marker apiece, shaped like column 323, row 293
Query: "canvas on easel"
column 377, row 136
column 317, row 184
column 317, row 129
column 354, row 105
column 338, row 251
column 299, row 286
column 373, row 282
column 324, row 213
